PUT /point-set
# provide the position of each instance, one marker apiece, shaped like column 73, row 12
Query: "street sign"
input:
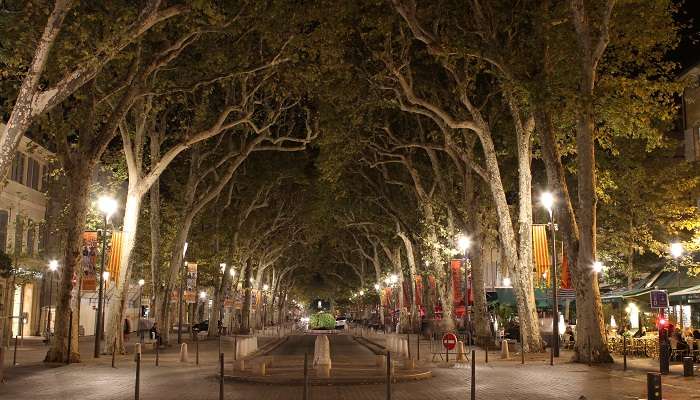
column 449, row 341
column 658, row 299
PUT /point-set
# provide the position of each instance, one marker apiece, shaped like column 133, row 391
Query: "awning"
column 625, row 294
column 691, row 290
column 686, row 296
column 543, row 297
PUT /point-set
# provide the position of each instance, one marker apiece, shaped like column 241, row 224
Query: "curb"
column 335, row 381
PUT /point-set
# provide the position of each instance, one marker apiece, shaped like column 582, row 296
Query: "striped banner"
column 115, row 255
column 540, row 254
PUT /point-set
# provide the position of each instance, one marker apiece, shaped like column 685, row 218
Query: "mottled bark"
column 247, row 289
column 78, row 181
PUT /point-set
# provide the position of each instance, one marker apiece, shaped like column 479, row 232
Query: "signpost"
column 659, row 299
column 449, row 341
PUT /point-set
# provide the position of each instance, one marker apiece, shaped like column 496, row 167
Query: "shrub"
column 322, row 320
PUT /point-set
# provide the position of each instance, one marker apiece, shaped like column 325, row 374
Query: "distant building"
column 23, row 203
column 691, row 116
column 691, row 113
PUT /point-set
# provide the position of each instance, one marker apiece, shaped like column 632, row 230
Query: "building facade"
column 23, row 203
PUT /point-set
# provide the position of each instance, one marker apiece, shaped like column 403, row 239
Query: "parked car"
column 341, row 322
column 201, row 327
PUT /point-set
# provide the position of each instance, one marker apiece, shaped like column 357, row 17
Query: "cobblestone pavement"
column 95, row 379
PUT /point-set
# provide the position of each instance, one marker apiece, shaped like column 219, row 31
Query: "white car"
column 341, row 322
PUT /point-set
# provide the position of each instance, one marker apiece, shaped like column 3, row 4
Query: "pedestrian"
column 155, row 334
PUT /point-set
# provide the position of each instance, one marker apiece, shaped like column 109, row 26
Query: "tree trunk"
column 522, row 282
column 245, row 311
column 117, row 304
column 589, row 308
column 154, row 216
column 78, row 181
column 408, row 244
column 176, row 265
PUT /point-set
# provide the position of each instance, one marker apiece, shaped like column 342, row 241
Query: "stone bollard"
column 505, row 353
column 461, row 355
column 137, row 349
column 404, row 348
column 322, row 356
column 183, row 353
column 261, row 369
column 381, row 361
column 239, row 365
column 409, row 363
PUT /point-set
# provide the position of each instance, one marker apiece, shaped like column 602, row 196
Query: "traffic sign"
column 449, row 341
column 658, row 299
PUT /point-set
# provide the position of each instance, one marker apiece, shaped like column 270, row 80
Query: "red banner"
column 419, row 291
column 89, row 261
column 565, row 274
column 456, row 266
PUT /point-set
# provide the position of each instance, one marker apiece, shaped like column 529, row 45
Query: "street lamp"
column 598, row 267
column 547, row 201
column 138, row 321
column 676, row 249
column 107, row 206
column 53, row 267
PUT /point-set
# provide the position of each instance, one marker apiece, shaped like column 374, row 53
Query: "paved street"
column 341, row 346
column 95, row 379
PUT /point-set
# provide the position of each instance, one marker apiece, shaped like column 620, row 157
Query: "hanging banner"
column 470, row 288
column 89, row 261
column 540, row 255
column 406, row 292
column 419, row 290
column 114, row 255
column 457, row 293
column 386, row 297
column 565, row 274
column 190, row 294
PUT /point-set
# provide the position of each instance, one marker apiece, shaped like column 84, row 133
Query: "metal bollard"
column 306, row 376
column 653, row 386
column 196, row 349
column 522, row 347
column 138, row 376
column 418, row 343
column 14, row 357
column 2, row 364
column 487, row 352
column 70, row 335
column 114, row 351
column 221, row 376
column 157, row 353
column 473, row 383
column 388, row 375
column 624, row 353
column 687, row 366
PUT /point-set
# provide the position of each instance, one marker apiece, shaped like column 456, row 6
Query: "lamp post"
column 53, row 266
column 547, row 201
column 179, row 301
column 676, row 252
column 464, row 243
column 107, row 205
column 138, row 321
